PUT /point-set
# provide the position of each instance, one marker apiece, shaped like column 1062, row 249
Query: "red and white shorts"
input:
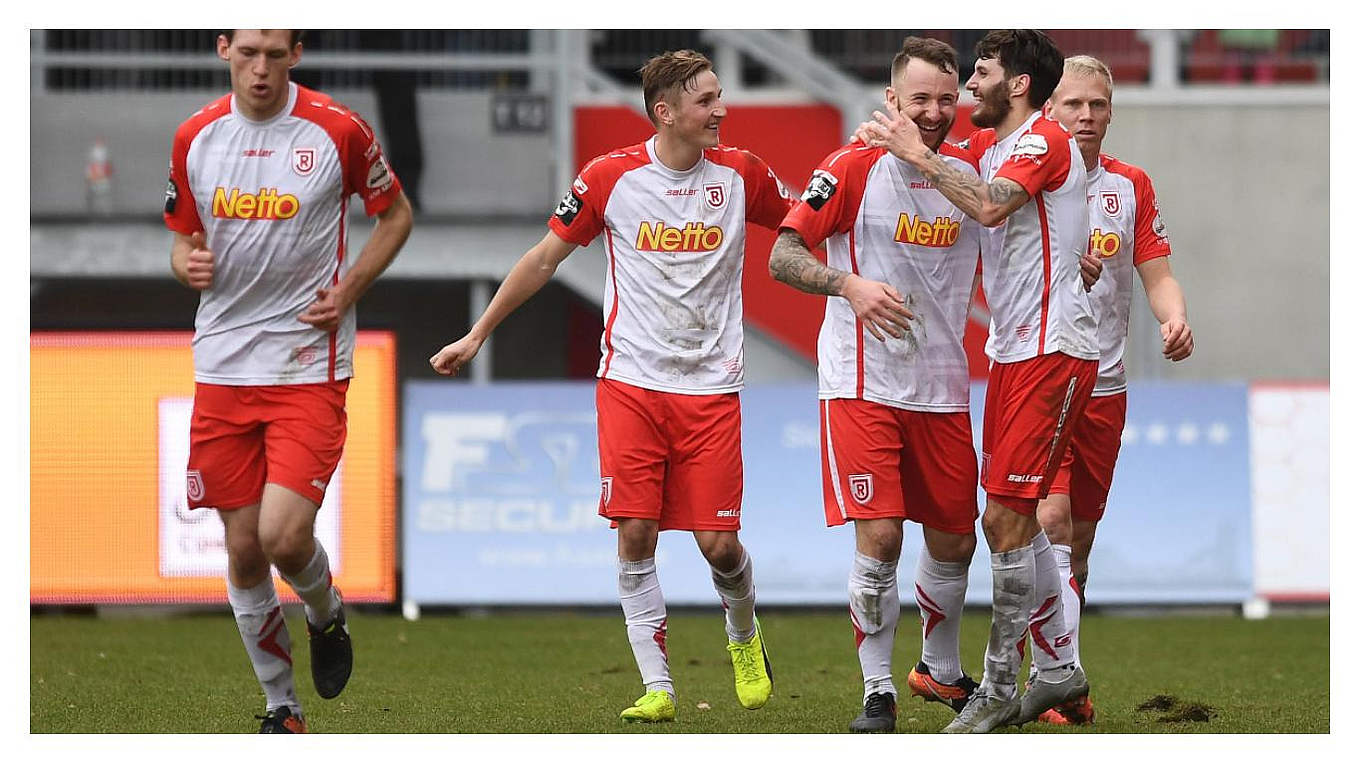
column 879, row 461
column 1032, row 406
column 1088, row 468
column 670, row 457
column 242, row 436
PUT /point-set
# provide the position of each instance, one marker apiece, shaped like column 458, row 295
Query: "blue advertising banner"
column 501, row 491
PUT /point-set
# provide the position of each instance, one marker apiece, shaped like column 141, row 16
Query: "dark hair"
column 929, row 50
column 665, row 73
column 1025, row 51
column 294, row 36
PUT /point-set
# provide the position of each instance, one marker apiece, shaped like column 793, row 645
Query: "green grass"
column 564, row 672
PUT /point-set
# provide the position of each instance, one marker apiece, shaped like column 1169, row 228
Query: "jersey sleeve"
column 181, row 213
column 767, row 200
column 579, row 216
column 831, row 202
column 1039, row 161
column 1149, row 233
column 366, row 170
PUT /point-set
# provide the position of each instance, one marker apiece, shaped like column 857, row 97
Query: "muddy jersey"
column 1125, row 230
column 882, row 220
column 675, row 242
column 271, row 198
column 1031, row 261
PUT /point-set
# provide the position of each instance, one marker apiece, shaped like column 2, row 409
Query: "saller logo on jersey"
column 943, row 233
column 266, row 204
column 1104, row 244
column 820, row 189
column 694, row 237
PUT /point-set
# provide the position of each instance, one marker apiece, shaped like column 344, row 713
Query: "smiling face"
column 259, row 60
column 992, row 91
column 693, row 112
column 928, row 96
column 1081, row 103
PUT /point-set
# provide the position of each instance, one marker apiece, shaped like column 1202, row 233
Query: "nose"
column 258, row 65
column 720, row 111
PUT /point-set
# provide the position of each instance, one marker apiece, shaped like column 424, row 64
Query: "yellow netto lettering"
column 267, row 204
column 694, row 237
column 941, row 233
column 1104, row 244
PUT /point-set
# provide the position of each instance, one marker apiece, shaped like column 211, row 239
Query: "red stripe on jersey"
column 335, row 280
column 859, row 329
column 1048, row 271
column 614, row 309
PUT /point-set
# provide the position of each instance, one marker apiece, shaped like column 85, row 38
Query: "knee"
column 1007, row 529
column 286, row 548
column 1055, row 517
column 637, row 539
column 722, row 550
column 951, row 547
column 879, row 539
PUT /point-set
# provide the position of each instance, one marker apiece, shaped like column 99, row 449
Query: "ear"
column 1019, row 85
column 1048, row 109
column 295, row 55
column 222, row 45
column 664, row 115
column 890, row 96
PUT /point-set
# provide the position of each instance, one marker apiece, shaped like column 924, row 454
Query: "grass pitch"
column 566, row 672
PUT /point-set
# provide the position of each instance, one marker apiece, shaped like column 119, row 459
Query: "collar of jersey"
column 1020, row 130
column 283, row 112
column 656, row 161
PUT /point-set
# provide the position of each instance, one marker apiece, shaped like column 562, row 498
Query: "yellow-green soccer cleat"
column 653, row 707
column 751, row 666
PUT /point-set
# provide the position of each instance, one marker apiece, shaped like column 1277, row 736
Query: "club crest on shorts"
column 1109, row 202
column 304, row 160
column 606, row 490
column 193, row 485
column 862, row 488
column 716, row 195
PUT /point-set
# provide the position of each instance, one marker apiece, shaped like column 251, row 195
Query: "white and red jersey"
column 676, row 243
column 1125, row 230
column 1031, row 262
column 270, row 198
column 882, row 220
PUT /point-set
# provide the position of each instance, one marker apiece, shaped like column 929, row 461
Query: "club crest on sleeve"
column 579, row 186
column 1158, row 226
column 862, row 487
column 716, row 194
column 606, row 490
column 1109, row 202
column 193, row 485
column 379, row 176
column 304, row 161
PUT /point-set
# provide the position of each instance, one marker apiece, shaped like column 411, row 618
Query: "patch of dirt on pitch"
column 1190, row 712
column 1159, row 702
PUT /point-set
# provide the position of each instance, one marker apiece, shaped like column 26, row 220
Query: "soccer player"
column 897, row 442
column 259, row 185
column 1032, row 199
column 1126, row 231
column 673, row 211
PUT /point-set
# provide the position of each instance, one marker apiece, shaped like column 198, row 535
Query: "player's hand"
column 893, row 131
column 1177, row 340
column 326, row 311
column 1091, row 267
column 879, row 306
column 452, row 357
column 200, row 263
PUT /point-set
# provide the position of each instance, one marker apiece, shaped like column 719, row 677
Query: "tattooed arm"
column 990, row 204
column 877, row 305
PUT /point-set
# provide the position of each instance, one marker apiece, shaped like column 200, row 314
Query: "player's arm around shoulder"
column 527, row 277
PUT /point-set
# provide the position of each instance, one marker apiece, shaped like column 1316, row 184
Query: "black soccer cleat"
column 332, row 656
column 879, row 716
column 281, row 720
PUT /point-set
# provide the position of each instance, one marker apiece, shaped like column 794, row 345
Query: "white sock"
column 1012, row 595
column 940, row 588
column 644, row 612
column 1051, row 647
column 874, row 611
column 259, row 618
column 1071, row 599
column 313, row 584
column 738, row 594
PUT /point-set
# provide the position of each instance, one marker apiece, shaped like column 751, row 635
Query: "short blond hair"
column 1089, row 65
column 665, row 75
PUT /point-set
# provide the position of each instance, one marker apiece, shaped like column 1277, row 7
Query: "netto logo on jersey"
column 943, row 233
column 694, row 237
column 266, row 204
column 1104, row 244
